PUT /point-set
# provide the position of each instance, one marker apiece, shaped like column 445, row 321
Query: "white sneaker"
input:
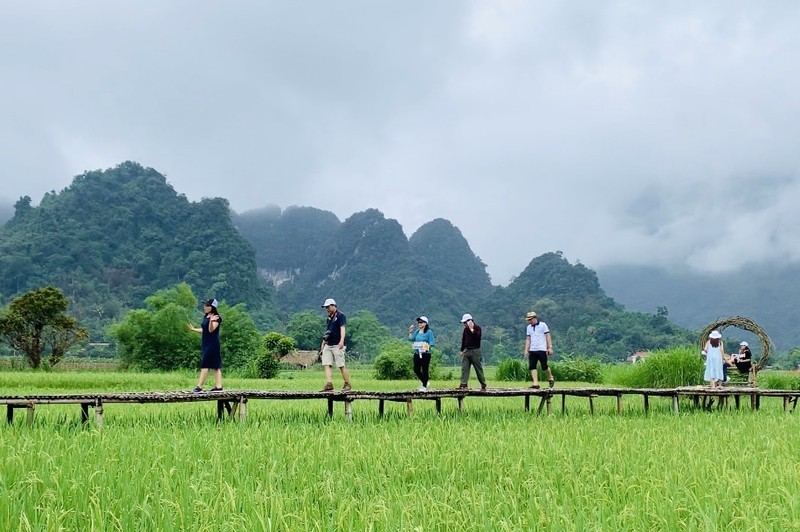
column 423, row 389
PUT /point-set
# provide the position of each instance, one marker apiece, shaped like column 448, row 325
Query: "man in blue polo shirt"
column 332, row 347
column 538, row 346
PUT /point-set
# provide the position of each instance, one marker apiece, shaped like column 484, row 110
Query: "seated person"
column 744, row 358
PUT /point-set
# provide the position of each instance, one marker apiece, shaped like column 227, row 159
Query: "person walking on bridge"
column 422, row 341
column 538, row 347
column 471, row 352
column 332, row 347
column 210, row 346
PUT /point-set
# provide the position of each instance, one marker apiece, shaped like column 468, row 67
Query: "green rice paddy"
column 289, row 467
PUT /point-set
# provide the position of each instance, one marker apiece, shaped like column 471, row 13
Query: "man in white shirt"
column 538, row 346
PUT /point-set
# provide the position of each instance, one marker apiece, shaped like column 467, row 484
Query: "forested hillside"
column 366, row 262
column 767, row 294
column 286, row 241
column 114, row 237
column 584, row 320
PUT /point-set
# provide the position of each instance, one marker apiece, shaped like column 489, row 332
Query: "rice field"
column 491, row 467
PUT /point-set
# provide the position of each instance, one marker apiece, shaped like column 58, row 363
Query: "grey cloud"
column 595, row 128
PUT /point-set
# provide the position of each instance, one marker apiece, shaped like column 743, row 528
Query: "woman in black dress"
column 212, row 357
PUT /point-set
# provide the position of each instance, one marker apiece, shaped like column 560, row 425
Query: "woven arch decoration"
column 740, row 322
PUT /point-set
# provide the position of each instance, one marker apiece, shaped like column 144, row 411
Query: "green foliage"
column 306, row 328
column 297, row 232
column 266, row 364
column 445, row 259
column 180, row 295
column 285, row 346
column 394, row 362
column 158, row 339
column 365, row 335
column 367, row 263
column 572, row 369
column 512, row 370
column 278, row 344
column 36, row 324
column 779, row 380
column 679, row 366
column 792, row 359
column 577, row 369
column 499, row 353
column 240, row 338
column 113, row 237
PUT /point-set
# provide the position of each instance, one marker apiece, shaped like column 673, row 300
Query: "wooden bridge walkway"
column 234, row 403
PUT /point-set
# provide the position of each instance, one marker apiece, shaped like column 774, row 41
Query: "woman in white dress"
column 714, row 351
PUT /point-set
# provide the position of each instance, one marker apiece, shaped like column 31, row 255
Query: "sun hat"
column 530, row 315
column 465, row 318
column 329, row 302
column 423, row 319
column 744, row 344
column 715, row 334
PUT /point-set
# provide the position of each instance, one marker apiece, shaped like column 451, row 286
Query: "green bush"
column 512, row 370
column 285, row 346
column 668, row 368
column 264, row 366
column 577, row 369
column 394, row 362
column 393, row 366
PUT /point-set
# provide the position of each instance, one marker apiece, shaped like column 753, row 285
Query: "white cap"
column 329, row 302
column 745, row 344
column 715, row 334
column 423, row 318
column 465, row 318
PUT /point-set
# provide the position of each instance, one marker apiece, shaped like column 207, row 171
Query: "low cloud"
column 614, row 132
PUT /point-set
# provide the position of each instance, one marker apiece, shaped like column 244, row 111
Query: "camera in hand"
column 326, row 336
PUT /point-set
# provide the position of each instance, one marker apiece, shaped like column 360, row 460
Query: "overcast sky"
column 662, row 133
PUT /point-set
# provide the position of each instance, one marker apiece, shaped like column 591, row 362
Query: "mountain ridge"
column 114, row 237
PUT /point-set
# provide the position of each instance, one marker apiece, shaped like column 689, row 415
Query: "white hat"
column 423, row 318
column 715, row 334
column 465, row 318
column 745, row 344
column 329, row 302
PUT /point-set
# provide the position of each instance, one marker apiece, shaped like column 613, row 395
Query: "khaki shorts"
column 332, row 354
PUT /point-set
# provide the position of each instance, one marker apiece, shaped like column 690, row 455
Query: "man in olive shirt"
column 471, row 352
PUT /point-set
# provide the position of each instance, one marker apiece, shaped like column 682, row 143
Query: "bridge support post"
column 98, row 413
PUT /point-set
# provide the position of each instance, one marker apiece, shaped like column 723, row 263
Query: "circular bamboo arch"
column 740, row 322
